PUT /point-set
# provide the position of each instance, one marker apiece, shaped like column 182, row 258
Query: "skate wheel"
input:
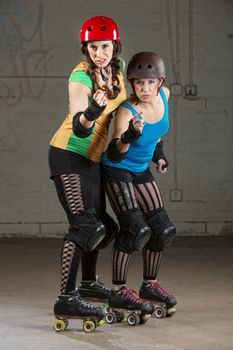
column 59, row 325
column 133, row 319
column 160, row 312
column 111, row 317
column 89, row 326
column 171, row 312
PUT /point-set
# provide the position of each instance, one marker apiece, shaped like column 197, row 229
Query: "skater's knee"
column 163, row 231
column 85, row 230
column 134, row 231
column 112, row 230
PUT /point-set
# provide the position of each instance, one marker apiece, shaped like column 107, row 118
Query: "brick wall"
column 39, row 48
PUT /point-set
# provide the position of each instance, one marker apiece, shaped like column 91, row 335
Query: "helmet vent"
column 103, row 28
column 90, row 29
column 149, row 66
column 139, row 66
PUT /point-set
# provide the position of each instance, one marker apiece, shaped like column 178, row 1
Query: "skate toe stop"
column 171, row 311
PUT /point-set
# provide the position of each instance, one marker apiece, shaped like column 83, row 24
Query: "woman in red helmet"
column 141, row 121
column 96, row 89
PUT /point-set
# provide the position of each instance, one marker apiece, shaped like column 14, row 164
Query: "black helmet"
column 146, row 65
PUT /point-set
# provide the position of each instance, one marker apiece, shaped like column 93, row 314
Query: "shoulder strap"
column 164, row 98
column 128, row 105
column 162, row 93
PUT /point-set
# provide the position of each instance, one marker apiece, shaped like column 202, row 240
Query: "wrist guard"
column 158, row 154
column 130, row 135
column 78, row 129
column 114, row 154
column 93, row 111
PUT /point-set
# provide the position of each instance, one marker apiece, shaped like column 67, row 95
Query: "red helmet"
column 99, row 28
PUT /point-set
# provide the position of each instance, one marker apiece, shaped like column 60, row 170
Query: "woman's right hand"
column 134, row 130
column 100, row 98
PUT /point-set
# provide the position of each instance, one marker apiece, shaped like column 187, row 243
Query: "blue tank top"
column 141, row 151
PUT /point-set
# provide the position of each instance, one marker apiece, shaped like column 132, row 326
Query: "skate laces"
column 82, row 302
column 156, row 286
column 131, row 295
column 102, row 286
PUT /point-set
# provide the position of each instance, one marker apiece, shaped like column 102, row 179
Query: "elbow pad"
column 114, row 154
column 78, row 129
column 158, row 154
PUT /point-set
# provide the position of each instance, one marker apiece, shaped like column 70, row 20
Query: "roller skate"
column 126, row 301
column 163, row 301
column 94, row 290
column 72, row 306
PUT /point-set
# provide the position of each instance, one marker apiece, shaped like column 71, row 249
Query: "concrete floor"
column 197, row 270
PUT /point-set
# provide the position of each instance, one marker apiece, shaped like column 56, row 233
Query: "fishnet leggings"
column 149, row 198
column 70, row 195
column 126, row 195
column 69, row 264
column 73, row 193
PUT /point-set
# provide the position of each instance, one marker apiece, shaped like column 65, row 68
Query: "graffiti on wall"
column 26, row 58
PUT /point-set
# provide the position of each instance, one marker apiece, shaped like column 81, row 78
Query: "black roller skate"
column 126, row 300
column 72, row 306
column 94, row 290
column 154, row 293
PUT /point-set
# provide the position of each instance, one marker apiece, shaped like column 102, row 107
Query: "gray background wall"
column 39, row 48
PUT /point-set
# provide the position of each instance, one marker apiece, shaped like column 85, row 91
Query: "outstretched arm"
column 126, row 131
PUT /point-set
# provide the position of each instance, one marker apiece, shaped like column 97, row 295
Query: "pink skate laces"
column 130, row 294
column 156, row 286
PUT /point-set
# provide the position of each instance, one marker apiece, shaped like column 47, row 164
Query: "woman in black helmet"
column 141, row 121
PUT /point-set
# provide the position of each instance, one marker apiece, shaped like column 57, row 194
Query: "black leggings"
column 78, row 192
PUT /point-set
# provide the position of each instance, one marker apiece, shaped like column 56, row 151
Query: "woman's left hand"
column 160, row 167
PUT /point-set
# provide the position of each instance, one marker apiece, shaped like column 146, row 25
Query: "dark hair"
column 115, row 66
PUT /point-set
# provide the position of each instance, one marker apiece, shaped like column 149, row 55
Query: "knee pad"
column 134, row 231
column 163, row 231
column 112, row 229
column 85, row 230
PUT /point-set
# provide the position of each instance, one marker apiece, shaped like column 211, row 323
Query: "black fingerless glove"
column 130, row 135
column 93, row 111
column 158, row 154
